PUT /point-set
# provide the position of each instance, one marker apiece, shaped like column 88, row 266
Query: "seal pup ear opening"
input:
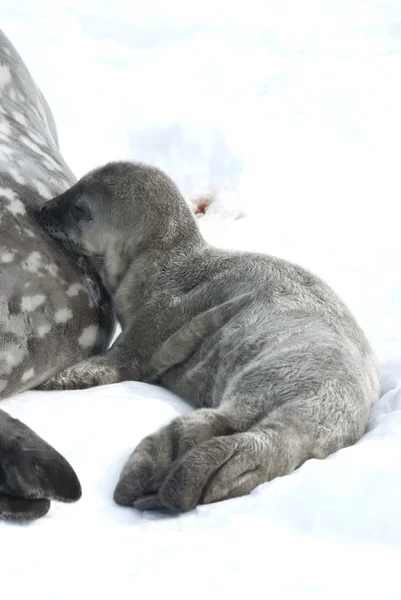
column 31, row 473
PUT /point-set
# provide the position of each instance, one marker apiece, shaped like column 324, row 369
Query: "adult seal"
column 275, row 363
column 54, row 309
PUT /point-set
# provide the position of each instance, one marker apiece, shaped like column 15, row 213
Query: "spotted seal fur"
column 54, row 309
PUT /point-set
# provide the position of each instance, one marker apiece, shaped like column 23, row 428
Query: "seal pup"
column 272, row 360
column 54, row 309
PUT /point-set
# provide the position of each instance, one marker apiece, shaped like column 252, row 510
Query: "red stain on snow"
column 200, row 205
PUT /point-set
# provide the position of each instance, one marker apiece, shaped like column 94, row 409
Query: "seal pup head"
column 118, row 211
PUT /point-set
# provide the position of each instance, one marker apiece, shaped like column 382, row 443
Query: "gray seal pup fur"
column 54, row 309
column 275, row 364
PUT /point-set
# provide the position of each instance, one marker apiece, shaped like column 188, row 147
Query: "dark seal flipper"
column 13, row 508
column 31, row 473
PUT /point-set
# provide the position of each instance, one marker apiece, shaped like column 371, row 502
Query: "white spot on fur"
column 7, row 51
column 88, row 336
column 7, row 193
column 29, row 232
column 15, row 205
column 43, row 329
column 33, row 262
column 12, row 94
column 10, row 358
column 74, row 289
column 3, row 384
column 28, row 374
column 63, row 315
column 42, row 189
column 19, row 117
column 5, row 75
column 16, row 175
column 7, row 257
column 5, row 128
column 30, row 303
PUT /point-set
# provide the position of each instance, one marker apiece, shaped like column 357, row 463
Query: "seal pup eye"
column 80, row 211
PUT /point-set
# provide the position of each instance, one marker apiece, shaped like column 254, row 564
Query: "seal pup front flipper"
column 31, row 473
column 187, row 339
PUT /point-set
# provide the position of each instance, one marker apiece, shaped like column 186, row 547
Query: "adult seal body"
column 274, row 362
column 54, row 309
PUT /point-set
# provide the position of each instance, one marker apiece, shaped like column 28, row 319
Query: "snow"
column 286, row 115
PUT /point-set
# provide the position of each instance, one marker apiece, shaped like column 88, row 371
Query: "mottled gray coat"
column 274, row 362
column 52, row 313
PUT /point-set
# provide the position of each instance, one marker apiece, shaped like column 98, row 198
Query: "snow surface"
column 287, row 114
